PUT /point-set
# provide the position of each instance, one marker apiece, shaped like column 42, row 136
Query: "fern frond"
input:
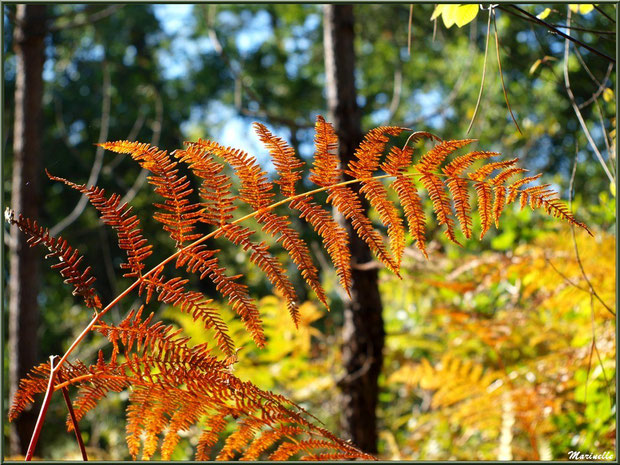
column 441, row 204
column 326, row 169
column 178, row 215
column 118, row 217
column 334, row 237
column 434, row 157
column 513, row 189
column 262, row 258
column 69, row 259
column 200, row 259
column 284, row 160
column 256, row 190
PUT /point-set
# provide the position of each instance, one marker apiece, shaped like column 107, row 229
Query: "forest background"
column 501, row 349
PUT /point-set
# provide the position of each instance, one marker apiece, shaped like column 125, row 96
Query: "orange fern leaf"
column 69, row 259
column 179, row 215
column 129, row 233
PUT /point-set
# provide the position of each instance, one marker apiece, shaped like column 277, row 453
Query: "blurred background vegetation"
column 502, row 349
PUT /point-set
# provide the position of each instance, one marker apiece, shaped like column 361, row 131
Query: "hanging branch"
column 571, row 96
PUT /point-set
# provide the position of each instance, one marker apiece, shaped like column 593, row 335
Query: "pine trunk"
column 24, row 270
column 363, row 332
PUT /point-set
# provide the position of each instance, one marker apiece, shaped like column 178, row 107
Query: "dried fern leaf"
column 69, row 259
column 178, row 215
column 118, row 217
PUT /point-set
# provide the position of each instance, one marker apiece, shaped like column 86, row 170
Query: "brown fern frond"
column 513, row 189
column 441, row 204
column 481, row 173
column 334, row 237
column 172, row 291
column 326, row 169
column 377, row 196
column 262, row 258
column 348, row 203
column 274, row 224
column 327, row 173
column 362, row 167
column 434, row 157
column 283, row 158
column 215, row 188
column 256, row 190
column 202, row 260
column 118, row 217
column 483, row 190
column 460, row 164
column 499, row 201
column 217, row 211
column 69, row 259
column 366, row 156
column 178, row 215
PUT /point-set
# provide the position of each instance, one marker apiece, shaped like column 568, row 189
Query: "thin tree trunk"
column 24, row 270
column 363, row 332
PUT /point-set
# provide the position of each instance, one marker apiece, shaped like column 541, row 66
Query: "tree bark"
column 363, row 331
column 29, row 38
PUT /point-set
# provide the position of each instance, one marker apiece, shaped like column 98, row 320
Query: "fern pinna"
column 175, row 385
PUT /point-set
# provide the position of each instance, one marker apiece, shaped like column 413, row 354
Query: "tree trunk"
column 363, row 332
column 24, row 270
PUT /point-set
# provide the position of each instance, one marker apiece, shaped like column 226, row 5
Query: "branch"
column 91, row 18
column 583, row 271
column 571, row 96
column 96, row 168
column 560, row 33
column 74, row 421
column 235, row 69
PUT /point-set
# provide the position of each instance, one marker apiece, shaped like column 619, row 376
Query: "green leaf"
column 466, row 14
column 544, row 13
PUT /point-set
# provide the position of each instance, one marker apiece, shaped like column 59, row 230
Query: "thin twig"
column 74, row 421
column 409, row 30
column 571, row 96
column 560, row 33
column 396, row 94
column 576, row 247
column 484, row 72
column 501, row 75
column 584, row 29
column 600, row 10
column 97, row 16
column 601, row 88
column 98, row 163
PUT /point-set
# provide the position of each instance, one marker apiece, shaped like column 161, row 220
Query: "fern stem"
column 46, row 402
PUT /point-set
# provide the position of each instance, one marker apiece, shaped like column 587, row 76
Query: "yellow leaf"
column 543, row 14
column 608, row 95
column 535, row 66
column 581, row 8
column 466, row 14
column 437, row 12
column 612, row 188
column 449, row 15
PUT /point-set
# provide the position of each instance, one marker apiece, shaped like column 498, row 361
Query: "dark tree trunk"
column 24, row 270
column 363, row 332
